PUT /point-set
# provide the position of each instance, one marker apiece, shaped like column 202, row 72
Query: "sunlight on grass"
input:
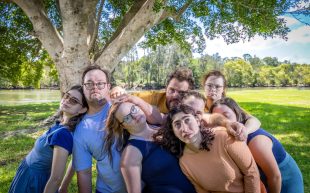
column 283, row 113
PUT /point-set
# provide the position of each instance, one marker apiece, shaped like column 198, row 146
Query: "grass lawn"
column 284, row 112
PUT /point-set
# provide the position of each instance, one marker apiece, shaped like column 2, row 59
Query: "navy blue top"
column 160, row 169
column 62, row 138
column 277, row 148
column 41, row 155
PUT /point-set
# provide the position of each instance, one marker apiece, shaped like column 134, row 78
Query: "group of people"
column 172, row 141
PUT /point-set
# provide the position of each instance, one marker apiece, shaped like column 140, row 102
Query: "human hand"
column 126, row 98
column 237, row 130
column 116, row 92
column 205, row 120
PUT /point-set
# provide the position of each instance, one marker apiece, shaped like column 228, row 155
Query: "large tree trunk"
column 70, row 49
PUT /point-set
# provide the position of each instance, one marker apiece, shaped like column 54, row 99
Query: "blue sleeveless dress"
column 161, row 172
column 292, row 181
column 34, row 171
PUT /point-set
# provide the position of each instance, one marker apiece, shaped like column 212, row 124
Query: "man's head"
column 96, row 84
column 178, row 81
column 195, row 100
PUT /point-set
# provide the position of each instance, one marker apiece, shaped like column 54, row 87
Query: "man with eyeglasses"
column 89, row 137
column 179, row 81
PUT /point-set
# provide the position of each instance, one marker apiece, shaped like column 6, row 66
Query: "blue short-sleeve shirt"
column 88, row 143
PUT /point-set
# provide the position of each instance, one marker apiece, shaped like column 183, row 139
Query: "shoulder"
column 220, row 132
column 260, row 142
column 62, row 132
column 222, row 136
column 131, row 156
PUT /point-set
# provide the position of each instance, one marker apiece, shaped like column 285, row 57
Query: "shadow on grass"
column 288, row 123
column 291, row 126
column 24, row 116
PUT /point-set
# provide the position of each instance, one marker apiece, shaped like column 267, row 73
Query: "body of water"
column 16, row 97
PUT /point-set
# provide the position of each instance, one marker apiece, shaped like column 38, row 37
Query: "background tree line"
column 76, row 33
column 150, row 70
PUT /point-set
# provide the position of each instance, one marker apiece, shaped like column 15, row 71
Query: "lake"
column 16, row 97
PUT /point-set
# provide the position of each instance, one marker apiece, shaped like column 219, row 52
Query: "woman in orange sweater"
column 212, row 159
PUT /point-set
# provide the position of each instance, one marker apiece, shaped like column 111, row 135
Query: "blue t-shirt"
column 41, row 156
column 88, row 143
column 160, row 169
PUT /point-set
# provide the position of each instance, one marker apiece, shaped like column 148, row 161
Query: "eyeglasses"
column 71, row 100
column 91, row 85
column 210, row 86
column 128, row 118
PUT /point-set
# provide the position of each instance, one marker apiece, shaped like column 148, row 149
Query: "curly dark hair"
column 241, row 115
column 182, row 74
column 215, row 73
column 73, row 121
column 115, row 132
column 166, row 137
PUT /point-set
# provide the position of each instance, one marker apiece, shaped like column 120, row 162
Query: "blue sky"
column 295, row 49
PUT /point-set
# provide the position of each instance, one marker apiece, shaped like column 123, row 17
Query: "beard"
column 173, row 103
column 96, row 98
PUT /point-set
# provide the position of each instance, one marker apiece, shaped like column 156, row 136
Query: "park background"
column 269, row 77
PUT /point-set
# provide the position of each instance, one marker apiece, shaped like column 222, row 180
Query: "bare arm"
column 252, row 124
column 84, row 181
column 131, row 167
column 60, row 156
column 152, row 113
column 261, row 149
column 235, row 129
column 67, row 179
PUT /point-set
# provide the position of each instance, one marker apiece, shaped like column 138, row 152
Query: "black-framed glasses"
column 91, row 85
column 211, row 86
column 128, row 118
column 71, row 100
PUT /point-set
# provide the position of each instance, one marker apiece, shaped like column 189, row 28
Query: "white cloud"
column 295, row 49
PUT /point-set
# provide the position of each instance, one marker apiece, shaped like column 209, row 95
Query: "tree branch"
column 129, row 34
column 127, row 18
column 43, row 27
column 96, row 28
column 178, row 14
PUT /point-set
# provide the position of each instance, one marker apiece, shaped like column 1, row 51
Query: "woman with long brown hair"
column 212, row 159
column 145, row 166
column 43, row 168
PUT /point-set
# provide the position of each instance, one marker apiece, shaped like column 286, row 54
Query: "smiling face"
column 95, row 86
column 173, row 90
column 131, row 117
column 71, row 102
column 185, row 127
column 226, row 112
column 214, row 88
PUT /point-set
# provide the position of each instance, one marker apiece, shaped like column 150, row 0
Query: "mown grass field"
column 283, row 112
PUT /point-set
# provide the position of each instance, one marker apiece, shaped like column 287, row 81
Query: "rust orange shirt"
column 155, row 98
column 227, row 167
